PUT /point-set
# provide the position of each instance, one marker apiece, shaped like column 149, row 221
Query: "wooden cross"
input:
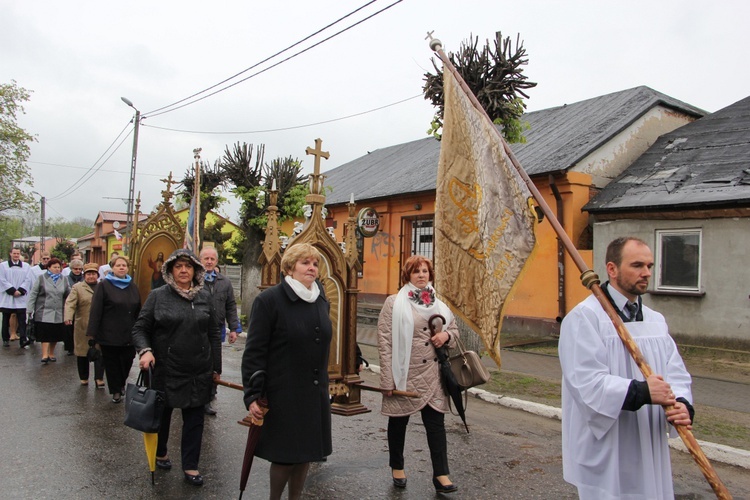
column 318, row 153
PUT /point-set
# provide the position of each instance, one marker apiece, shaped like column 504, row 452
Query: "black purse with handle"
column 143, row 405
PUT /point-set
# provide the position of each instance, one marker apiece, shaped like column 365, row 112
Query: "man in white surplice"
column 614, row 429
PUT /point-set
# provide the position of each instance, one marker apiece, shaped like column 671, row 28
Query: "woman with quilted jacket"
column 408, row 362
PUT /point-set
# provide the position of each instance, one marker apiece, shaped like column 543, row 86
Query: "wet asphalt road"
column 64, row 441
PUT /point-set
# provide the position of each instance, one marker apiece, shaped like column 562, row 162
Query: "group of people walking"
column 610, row 414
column 177, row 332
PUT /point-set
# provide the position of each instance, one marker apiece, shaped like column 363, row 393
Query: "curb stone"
column 713, row 451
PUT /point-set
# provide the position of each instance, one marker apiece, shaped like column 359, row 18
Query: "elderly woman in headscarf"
column 408, row 362
column 177, row 334
column 45, row 306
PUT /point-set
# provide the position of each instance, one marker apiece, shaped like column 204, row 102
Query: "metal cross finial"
column 435, row 43
column 167, row 193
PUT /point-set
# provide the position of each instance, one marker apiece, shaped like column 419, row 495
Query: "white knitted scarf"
column 307, row 294
column 425, row 303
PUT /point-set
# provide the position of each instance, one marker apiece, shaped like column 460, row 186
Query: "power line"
column 91, row 171
column 264, row 60
column 286, row 128
column 275, row 64
column 88, row 168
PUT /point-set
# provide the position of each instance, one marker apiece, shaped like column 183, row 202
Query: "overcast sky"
column 79, row 58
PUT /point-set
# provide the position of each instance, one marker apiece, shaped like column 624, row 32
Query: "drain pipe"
column 560, row 253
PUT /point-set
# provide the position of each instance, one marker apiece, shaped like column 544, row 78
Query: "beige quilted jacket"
column 424, row 377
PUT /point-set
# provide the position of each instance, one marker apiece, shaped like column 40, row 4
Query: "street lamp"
column 131, row 191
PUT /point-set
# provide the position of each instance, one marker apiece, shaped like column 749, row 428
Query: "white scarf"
column 307, row 294
column 402, row 328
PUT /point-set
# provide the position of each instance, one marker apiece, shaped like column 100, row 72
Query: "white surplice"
column 610, row 453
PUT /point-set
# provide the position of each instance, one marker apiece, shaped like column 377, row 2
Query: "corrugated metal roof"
column 706, row 162
column 557, row 139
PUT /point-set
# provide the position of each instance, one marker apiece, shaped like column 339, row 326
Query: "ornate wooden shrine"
column 153, row 240
column 338, row 273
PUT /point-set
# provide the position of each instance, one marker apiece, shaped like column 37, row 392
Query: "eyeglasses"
column 76, row 269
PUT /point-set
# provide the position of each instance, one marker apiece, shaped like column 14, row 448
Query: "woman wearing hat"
column 77, row 309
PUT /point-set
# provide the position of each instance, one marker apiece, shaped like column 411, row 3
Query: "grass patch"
column 523, row 387
column 727, row 427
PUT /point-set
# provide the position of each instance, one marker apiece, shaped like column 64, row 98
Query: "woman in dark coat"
column 289, row 337
column 114, row 308
column 178, row 335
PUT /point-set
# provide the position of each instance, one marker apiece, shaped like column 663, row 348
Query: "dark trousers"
column 192, row 436
column 68, row 338
column 20, row 316
column 83, row 368
column 117, row 363
column 434, row 424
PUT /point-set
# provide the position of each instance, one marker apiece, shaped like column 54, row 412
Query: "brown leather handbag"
column 467, row 367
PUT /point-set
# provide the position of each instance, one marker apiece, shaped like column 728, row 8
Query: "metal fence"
column 234, row 273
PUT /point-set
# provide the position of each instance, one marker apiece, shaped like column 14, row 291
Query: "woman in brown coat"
column 408, row 362
column 77, row 310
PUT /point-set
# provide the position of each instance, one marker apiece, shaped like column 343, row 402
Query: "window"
column 678, row 259
column 417, row 237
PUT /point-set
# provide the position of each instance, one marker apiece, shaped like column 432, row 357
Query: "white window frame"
column 660, row 234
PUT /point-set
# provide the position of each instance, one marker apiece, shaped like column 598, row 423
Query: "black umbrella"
column 253, row 435
column 436, row 323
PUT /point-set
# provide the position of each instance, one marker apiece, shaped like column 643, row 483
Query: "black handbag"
column 143, row 405
column 93, row 354
column 467, row 367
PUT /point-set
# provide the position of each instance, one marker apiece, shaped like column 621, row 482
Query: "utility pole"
column 131, row 191
column 43, row 231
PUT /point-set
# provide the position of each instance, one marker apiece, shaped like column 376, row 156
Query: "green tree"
column 62, row 228
column 14, row 150
column 246, row 178
column 251, row 180
column 11, row 228
column 63, row 249
column 494, row 75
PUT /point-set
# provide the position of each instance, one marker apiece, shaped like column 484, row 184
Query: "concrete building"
column 688, row 196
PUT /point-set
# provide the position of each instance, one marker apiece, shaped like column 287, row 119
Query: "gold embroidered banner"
column 484, row 222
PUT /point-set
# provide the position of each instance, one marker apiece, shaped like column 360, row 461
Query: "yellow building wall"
column 536, row 293
column 211, row 218
column 381, row 253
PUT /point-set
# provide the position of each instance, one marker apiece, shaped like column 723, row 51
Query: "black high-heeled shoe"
column 163, row 463
column 443, row 488
column 398, row 482
column 196, row 480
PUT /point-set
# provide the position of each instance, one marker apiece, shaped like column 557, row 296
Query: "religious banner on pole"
column 192, row 234
column 484, row 219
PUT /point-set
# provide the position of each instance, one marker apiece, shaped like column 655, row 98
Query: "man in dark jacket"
column 226, row 308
